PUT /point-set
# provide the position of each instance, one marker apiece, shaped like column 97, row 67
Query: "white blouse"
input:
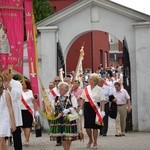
column 97, row 94
column 28, row 97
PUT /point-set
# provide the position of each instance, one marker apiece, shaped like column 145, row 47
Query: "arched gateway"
column 87, row 15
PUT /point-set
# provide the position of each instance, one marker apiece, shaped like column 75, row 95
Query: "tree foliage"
column 41, row 9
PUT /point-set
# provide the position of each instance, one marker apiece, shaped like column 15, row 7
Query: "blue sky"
column 140, row 5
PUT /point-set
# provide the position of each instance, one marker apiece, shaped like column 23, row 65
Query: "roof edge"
column 79, row 5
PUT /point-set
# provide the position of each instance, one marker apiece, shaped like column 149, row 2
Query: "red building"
column 96, row 51
column 60, row 4
column 96, row 45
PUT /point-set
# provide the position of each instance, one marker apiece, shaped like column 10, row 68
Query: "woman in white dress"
column 7, row 120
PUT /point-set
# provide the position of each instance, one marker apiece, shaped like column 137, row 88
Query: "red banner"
column 31, row 46
column 11, row 34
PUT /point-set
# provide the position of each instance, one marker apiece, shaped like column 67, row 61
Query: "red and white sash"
column 53, row 92
column 99, row 118
column 26, row 105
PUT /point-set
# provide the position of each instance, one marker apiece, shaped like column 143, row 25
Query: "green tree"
column 41, row 9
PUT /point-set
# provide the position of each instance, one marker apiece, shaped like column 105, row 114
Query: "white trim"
column 115, row 51
column 47, row 28
column 141, row 24
column 80, row 5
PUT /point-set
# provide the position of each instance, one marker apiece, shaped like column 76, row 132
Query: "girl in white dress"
column 7, row 120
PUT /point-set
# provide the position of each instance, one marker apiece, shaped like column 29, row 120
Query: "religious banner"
column 79, row 69
column 11, row 34
column 30, row 33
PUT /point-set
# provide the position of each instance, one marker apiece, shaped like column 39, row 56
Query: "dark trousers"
column 17, row 139
column 104, row 128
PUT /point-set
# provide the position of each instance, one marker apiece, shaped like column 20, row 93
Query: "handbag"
column 38, row 127
column 112, row 112
column 73, row 116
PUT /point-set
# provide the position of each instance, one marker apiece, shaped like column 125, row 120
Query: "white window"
column 111, row 39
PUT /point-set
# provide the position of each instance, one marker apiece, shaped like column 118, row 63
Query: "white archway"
column 106, row 16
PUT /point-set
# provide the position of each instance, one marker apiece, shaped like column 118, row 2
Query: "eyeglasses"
column 57, row 80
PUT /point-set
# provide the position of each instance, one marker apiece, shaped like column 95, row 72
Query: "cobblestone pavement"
column 132, row 141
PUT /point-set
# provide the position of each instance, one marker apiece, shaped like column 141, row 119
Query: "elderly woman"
column 93, row 97
column 62, row 126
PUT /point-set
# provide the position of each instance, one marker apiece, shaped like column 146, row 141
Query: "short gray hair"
column 64, row 85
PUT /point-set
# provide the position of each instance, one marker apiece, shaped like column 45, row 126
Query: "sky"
column 140, row 5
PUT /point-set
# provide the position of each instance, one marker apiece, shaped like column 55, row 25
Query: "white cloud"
column 140, row 5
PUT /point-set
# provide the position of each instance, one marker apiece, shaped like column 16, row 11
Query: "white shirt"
column 50, row 95
column 28, row 97
column 73, row 100
column 121, row 96
column 97, row 94
column 107, row 92
column 16, row 100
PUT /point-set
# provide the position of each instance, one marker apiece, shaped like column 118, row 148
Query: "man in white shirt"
column 48, row 91
column 15, row 89
column 106, row 91
column 122, row 100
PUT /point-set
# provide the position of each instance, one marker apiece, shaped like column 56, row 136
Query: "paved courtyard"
column 132, row 141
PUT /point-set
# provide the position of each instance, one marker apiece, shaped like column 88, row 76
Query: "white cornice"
column 48, row 28
column 80, row 5
column 141, row 24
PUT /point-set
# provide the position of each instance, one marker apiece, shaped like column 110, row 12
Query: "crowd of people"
column 73, row 102
column 87, row 98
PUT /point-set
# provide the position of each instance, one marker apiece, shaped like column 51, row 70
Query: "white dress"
column 4, row 117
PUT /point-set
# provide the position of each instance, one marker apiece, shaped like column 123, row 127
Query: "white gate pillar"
column 48, row 46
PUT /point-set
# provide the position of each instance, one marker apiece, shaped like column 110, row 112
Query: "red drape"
column 31, row 46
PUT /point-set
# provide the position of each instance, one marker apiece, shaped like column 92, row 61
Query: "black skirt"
column 27, row 119
column 89, row 117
